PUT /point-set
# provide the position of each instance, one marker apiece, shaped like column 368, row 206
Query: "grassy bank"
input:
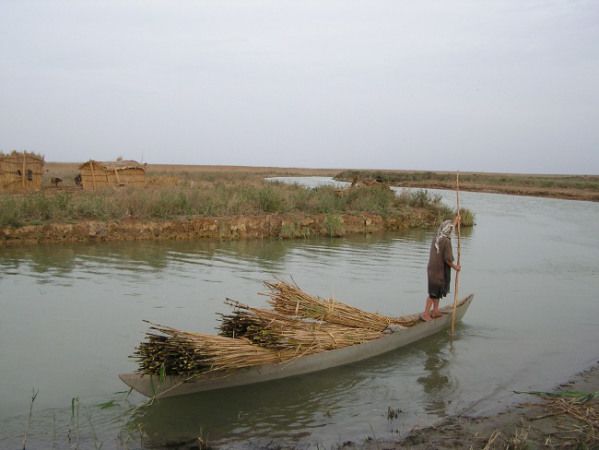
column 196, row 202
column 208, row 199
column 580, row 187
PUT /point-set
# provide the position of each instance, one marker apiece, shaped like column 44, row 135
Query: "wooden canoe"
column 170, row 386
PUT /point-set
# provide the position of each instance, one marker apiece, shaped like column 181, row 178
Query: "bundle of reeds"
column 290, row 300
column 299, row 324
column 273, row 330
column 177, row 352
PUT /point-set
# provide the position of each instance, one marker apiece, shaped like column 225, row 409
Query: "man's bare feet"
column 426, row 317
column 436, row 315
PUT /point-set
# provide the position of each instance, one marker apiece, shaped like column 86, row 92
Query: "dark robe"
column 439, row 268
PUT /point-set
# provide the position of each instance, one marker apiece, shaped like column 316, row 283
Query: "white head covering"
column 444, row 230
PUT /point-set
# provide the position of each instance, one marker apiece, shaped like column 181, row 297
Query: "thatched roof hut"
column 96, row 174
column 21, row 171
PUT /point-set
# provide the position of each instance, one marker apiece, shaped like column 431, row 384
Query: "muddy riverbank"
column 282, row 226
column 540, row 422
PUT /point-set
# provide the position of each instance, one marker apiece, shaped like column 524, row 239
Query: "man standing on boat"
column 440, row 263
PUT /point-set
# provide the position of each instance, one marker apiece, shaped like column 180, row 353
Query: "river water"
column 72, row 314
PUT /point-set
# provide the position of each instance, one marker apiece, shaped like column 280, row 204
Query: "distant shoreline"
column 519, row 191
column 566, row 187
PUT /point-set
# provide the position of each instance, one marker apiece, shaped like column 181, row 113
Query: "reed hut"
column 21, row 172
column 97, row 175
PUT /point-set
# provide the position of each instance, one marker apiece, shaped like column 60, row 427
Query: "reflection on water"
column 71, row 316
column 47, row 263
column 437, row 382
column 281, row 409
column 297, row 407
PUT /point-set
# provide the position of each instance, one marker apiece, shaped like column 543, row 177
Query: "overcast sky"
column 508, row 86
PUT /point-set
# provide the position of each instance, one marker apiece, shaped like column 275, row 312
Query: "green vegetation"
column 212, row 199
column 334, row 225
column 467, row 217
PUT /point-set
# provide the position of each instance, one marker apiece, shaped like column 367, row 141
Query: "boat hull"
column 170, row 386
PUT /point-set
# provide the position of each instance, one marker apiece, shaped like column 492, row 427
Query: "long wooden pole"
column 457, row 275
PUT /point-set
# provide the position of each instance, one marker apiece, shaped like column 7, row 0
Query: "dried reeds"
column 299, row 324
column 290, row 300
column 177, row 352
column 273, row 330
column 585, row 415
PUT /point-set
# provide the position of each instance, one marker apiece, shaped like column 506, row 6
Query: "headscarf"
column 444, row 230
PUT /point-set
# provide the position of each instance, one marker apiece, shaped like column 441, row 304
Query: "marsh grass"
column 467, row 217
column 29, row 418
column 69, row 431
column 74, row 431
column 334, row 225
column 222, row 197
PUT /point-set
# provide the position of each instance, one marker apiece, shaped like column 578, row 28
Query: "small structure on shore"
column 101, row 174
column 21, row 171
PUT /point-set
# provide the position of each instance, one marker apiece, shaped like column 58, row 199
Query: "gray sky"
column 509, row 86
